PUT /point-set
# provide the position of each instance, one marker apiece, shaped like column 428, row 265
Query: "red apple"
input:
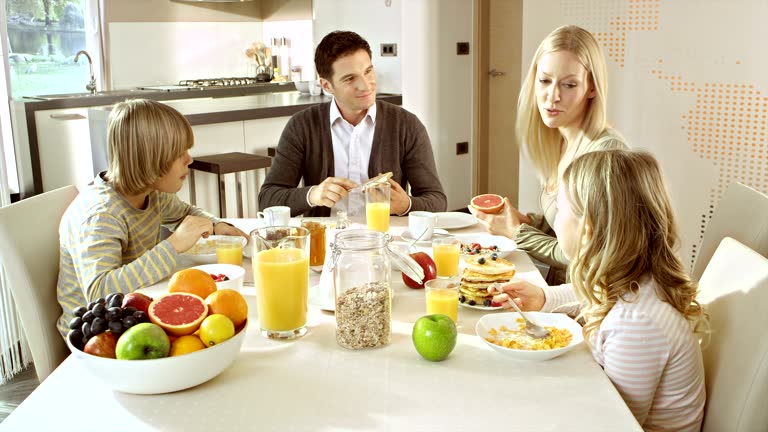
column 138, row 300
column 102, row 345
column 427, row 264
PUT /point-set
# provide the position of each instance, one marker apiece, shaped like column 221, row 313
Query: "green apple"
column 143, row 341
column 434, row 336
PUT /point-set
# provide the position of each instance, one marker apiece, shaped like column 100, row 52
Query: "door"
column 499, row 40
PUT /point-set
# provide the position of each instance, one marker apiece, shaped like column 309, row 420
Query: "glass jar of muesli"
column 362, row 262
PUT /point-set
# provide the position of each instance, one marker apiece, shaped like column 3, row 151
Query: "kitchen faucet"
column 91, row 86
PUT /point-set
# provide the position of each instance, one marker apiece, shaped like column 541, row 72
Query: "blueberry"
column 471, row 302
column 79, row 311
column 487, row 302
column 494, row 256
column 76, row 323
column 481, row 260
column 462, row 299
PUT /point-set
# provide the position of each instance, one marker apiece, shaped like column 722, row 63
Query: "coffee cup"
column 276, row 216
column 421, row 224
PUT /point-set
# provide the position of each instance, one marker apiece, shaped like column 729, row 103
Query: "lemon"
column 186, row 344
column 216, row 329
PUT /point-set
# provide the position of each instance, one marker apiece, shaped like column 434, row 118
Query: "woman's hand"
column 223, row 228
column 504, row 223
column 528, row 296
column 189, row 232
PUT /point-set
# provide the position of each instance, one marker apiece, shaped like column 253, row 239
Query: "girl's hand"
column 189, row 232
column 223, row 228
column 528, row 296
column 504, row 223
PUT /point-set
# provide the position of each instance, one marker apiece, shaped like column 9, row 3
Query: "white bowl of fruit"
column 225, row 275
column 179, row 341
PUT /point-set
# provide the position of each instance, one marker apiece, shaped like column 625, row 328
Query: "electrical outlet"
column 462, row 148
column 389, row 50
column 462, row 48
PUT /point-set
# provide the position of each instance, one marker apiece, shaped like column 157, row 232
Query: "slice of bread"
column 487, row 266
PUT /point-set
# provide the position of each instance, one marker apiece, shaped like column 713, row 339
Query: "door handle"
column 494, row 73
column 67, row 116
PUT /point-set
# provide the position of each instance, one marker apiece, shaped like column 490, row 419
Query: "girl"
column 561, row 114
column 110, row 236
column 615, row 222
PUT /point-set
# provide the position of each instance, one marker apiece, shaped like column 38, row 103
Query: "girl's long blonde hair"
column 542, row 144
column 622, row 196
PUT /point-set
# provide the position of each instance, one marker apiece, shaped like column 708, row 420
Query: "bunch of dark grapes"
column 101, row 315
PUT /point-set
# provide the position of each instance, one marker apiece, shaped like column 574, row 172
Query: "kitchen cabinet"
column 64, row 145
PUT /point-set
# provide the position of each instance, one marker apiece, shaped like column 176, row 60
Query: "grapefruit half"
column 178, row 313
column 488, row 203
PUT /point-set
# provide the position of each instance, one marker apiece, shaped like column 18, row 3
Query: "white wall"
column 375, row 22
column 437, row 85
column 302, row 49
column 675, row 77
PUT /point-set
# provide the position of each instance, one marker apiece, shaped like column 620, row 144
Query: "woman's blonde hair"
column 144, row 138
column 622, row 196
column 541, row 143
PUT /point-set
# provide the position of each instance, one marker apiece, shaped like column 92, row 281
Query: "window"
column 43, row 38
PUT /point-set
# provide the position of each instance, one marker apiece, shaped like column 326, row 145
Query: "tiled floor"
column 13, row 392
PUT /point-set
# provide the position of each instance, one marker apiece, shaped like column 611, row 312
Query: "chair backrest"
column 734, row 291
column 742, row 214
column 29, row 233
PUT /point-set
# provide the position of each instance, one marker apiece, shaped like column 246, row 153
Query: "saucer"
column 407, row 236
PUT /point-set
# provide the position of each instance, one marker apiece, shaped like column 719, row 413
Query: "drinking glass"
column 281, row 276
column 229, row 251
column 446, row 252
column 443, row 297
column 377, row 207
column 316, row 242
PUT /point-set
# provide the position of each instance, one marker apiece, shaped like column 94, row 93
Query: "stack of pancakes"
column 479, row 273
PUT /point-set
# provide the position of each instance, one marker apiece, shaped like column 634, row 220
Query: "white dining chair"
column 734, row 291
column 29, row 233
column 742, row 214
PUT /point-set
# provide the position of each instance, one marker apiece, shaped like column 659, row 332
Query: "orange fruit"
column 179, row 313
column 488, row 203
column 193, row 281
column 230, row 303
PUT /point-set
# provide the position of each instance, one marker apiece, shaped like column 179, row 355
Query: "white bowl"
column 162, row 375
column 302, row 86
column 204, row 251
column 233, row 272
column 487, row 322
column 505, row 245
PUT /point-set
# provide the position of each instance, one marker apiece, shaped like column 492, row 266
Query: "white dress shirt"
column 352, row 144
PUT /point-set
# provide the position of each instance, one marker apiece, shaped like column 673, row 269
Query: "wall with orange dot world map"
column 687, row 82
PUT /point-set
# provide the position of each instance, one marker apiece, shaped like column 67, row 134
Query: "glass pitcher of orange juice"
column 281, row 276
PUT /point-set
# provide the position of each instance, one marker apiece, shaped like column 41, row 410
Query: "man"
column 337, row 146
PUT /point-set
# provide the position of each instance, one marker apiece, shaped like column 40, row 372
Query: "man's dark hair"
column 335, row 45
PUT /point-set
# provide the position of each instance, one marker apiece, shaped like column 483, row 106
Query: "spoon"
column 533, row 330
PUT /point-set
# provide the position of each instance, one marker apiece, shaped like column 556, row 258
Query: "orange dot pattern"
column 727, row 126
column 630, row 16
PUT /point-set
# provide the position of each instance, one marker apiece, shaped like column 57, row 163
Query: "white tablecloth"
column 312, row 384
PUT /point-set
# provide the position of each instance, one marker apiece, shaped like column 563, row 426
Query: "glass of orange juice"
column 377, row 207
column 229, row 250
column 281, row 276
column 446, row 251
column 443, row 297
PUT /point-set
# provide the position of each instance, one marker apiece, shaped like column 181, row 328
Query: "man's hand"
column 398, row 199
column 189, row 232
column 331, row 191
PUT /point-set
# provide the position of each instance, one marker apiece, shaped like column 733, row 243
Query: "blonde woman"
column 110, row 236
column 642, row 321
column 561, row 114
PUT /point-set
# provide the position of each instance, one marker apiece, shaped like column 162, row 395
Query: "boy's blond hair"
column 541, row 143
column 622, row 196
column 144, row 138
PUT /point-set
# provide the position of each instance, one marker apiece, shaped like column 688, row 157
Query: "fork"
column 532, row 329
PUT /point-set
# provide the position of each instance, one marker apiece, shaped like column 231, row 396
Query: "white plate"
column 506, row 245
column 480, row 307
column 407, row 236
column 204, row 251
column 509, row 319
column 454, row 220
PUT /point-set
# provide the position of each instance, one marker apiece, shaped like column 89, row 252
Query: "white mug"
column 276, row 216
column 421, row 224
column 314, row 88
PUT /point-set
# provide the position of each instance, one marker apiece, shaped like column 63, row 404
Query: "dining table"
column 313, row 384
